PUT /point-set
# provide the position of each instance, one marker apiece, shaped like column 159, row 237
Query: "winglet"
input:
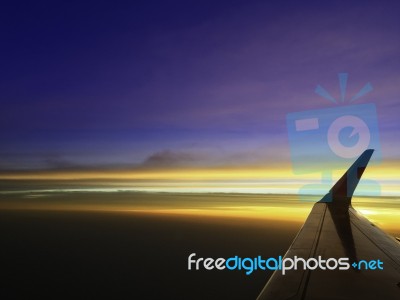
column 342, row 192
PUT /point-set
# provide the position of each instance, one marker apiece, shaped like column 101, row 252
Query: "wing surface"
column 334, row 229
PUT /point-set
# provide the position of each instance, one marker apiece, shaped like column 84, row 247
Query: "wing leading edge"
column 334, row 229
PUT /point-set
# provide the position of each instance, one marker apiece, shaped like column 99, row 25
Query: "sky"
column 144, row 87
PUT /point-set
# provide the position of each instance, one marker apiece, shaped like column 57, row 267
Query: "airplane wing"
column 334, row 229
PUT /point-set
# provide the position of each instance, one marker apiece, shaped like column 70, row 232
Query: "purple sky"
column 106, row 84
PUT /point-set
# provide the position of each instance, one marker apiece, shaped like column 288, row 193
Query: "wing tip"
column 342, row 192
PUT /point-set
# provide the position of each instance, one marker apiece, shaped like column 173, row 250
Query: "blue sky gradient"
column 103, row 84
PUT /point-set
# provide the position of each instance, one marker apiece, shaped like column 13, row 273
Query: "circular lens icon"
column 359, row 130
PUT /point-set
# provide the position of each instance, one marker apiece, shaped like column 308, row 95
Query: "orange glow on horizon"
column 242, row 179
column 385, row 171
